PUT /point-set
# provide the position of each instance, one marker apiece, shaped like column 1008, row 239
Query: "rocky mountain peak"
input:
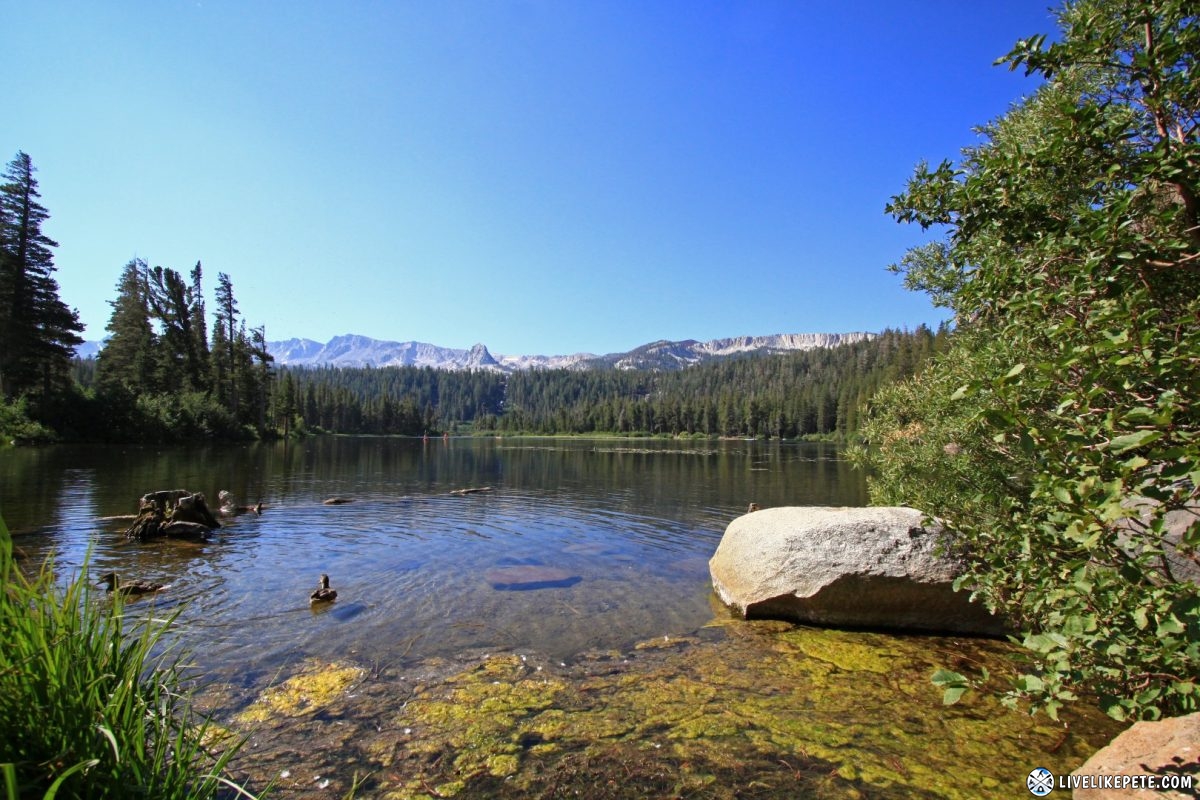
column 478, row 357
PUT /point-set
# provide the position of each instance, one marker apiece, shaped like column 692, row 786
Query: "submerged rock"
column 754, row 710
column 524, row 577
column 306, row 693
column 845, row 567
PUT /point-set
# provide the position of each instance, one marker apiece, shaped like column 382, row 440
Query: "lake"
column 632, row 521
column 430, row 676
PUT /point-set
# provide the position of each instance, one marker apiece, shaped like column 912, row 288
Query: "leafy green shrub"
column 87, row 710
column 185, row 416
column 16, row 426
column 1060, row 435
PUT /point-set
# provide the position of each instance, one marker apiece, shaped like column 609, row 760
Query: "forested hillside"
column 812, row 392
column 166, row 372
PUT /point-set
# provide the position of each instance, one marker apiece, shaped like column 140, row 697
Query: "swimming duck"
column 114, row 584
column 323, row 593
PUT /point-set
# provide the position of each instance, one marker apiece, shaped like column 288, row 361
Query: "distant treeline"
column 165, row 374
column 806, row 393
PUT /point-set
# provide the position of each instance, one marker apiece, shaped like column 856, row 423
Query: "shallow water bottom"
column 737, row 709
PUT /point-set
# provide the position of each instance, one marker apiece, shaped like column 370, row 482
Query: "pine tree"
column 199, row 324
column 258, row 374
column 39, row 332
column 126, row 363
column 224, row 347
column 171, row 303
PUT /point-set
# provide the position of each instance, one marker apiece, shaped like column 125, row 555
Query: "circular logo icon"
column 1040, row 782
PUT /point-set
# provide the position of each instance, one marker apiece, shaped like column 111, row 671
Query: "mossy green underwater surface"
column 742, row 709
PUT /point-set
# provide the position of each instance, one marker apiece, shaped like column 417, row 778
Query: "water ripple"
column 634, row 523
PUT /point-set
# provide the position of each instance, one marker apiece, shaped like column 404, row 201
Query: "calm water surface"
column 635, row 520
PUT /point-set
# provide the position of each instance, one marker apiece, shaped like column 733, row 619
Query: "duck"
column 230, row 508
column 132, row 588
column 323, row 594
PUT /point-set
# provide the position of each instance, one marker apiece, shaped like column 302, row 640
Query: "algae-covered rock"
column 305, row 693
column 760, row 709
column 781, row 712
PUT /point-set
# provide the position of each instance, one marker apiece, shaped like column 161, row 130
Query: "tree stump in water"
column 159, row 511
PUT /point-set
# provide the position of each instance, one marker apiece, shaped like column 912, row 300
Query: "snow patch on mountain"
column 351, row 350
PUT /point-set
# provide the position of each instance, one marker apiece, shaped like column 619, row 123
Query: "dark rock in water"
column 185, row 530
column 593, row 549
column 526, row 577
column 515, row 561
column 345, row 611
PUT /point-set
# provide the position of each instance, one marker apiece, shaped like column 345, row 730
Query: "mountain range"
column 360, row 351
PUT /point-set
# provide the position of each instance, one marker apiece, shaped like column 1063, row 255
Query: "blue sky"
column 542, row 176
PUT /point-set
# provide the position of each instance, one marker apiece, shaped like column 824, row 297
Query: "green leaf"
column 1131, row 440
column 945, row 677
column 1135, row 463
column 1030, row 684
column 953, row 694
column 1043, row 642
column 1114, row 707
column 1139, row 618
column 1012, row 374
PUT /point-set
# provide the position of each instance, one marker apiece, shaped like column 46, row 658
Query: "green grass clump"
column 87, row 706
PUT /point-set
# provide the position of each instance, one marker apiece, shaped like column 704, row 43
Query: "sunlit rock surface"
column 873, row 567
column 1161, row 748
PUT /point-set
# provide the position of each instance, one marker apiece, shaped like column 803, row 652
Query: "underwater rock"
column 844, row 567
column 524, row 577
column 315, row 687
column 1164, row 747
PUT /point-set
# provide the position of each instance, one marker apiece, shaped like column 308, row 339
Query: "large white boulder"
column 845, row 567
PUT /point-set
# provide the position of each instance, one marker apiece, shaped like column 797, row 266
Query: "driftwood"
column 175, row 512
column 471, row 491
